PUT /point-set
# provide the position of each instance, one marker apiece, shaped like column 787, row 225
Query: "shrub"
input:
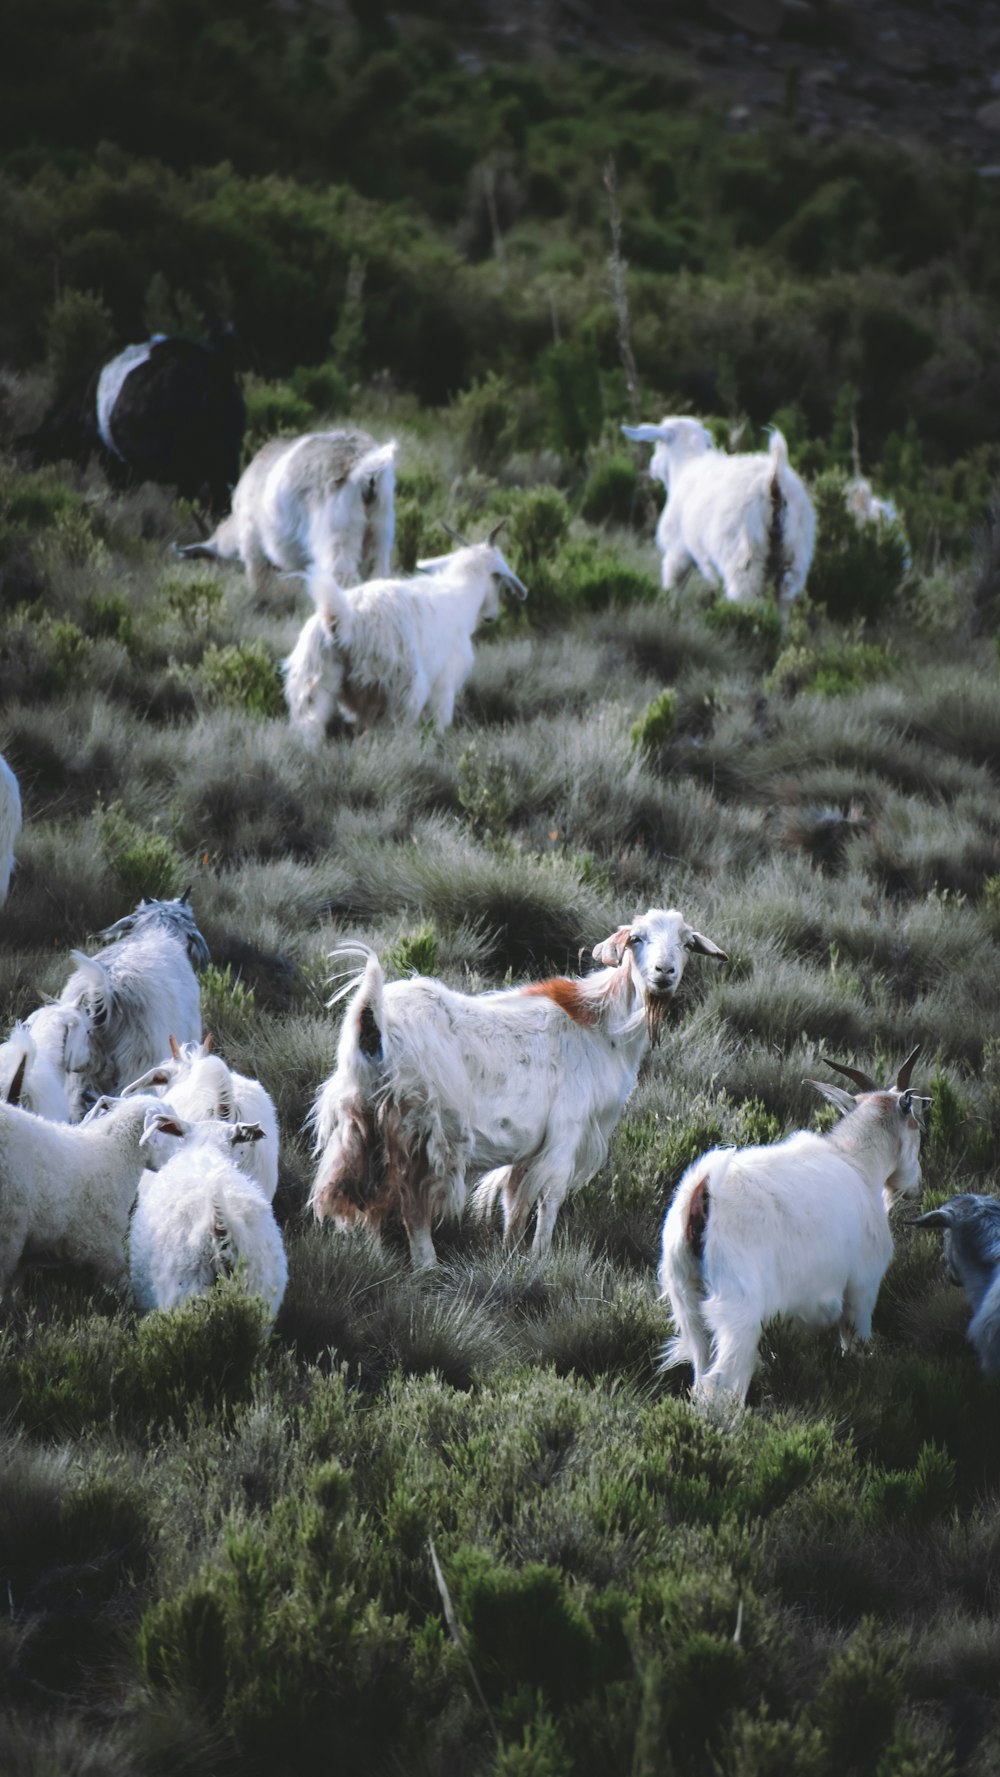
column 243, row 676
column 108, row 615
column 755, row 623
column 830, row 671
column 193, row 598
column 570, row 387
column 144, row 863
column 610, row 491
column 272, row 408
column 485, row 420
column 657, row 727
column 415, row 952
column 857, row 569
column 79, row 335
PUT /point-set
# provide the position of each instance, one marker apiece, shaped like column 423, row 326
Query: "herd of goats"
column 129, row 1146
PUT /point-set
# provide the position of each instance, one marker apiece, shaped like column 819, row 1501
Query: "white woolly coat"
column 10, row 824
column 139, row 992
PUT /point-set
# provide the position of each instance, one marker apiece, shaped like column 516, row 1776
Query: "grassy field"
column 461, row 1524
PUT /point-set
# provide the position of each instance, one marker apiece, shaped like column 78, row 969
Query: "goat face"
column 657, row 946
column 675, row 440
column 175, row 915
column 971, row 1227
column 909, row 1109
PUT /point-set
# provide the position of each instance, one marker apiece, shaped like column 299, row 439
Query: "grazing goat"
column 168, row 410
column 394, row 650
column 200, row 1217
column 745, row 520
column 800, row 1228
column 528, row 1082
column 138, row 991
column 201, row 1087
column 324, row 500
column 66, row 1192
column 972, row 1248
column 10, row 824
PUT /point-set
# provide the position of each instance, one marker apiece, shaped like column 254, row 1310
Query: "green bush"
column 569, row 384
column 833, row 670
column 755, row 623
column 243, row 676
column 79, row 335
column 144, row 863
column 656, row 729
column 610, row 492
column 415, row 952
column 272, row 408
column 857, row 569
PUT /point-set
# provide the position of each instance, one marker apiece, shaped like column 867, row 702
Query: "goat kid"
column 971, row 1227
column 526, row 1083
column 746, row 520
column 200, row 1217
column 324, row 500
column 799, row 1228
column 202, row 1088
column 395, row 650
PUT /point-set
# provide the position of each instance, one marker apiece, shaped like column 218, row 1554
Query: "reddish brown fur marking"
column 567, row 996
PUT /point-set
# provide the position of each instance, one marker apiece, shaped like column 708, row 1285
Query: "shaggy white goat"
column 138, row 991
column 971, row 1227
column 199, row 1217
column 10, row 824
column 324, row 500
column 800, row 1228
column 35, row 1077
column 66, row 1192
column 746, row 520
column 201, row 1087
column 395, row 650
column 528, row 1082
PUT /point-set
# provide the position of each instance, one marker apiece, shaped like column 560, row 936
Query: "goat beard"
column 656, row 1011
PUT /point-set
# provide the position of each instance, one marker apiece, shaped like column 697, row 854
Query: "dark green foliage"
column 857, row 569
column 656, row 728
column 611, row 492
column 145, row 864
column 830, row 670
column 79, row 336
column 243, row 677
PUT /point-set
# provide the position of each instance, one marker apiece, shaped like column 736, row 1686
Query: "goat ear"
column 17, row 1083
column 836, row 1095
column 933, row 1218
column 647, row 433
column 705, row 947
column 244, row 1132
column 163, row 1123
column 611, row 950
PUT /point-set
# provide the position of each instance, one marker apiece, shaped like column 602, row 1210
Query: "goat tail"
column 374, row 469
column 20, row 1046
column 487, row 1192
column 222, row 1251
column 777, row 565
column 681, row 1273
column 96, row 986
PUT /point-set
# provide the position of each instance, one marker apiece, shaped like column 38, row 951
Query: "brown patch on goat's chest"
column 567, row 996
column 366, row 701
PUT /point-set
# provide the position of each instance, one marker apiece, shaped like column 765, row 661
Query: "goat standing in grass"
column 746, row 520
column 200, row 1217
column 395, row 651
column 799, row 1228
column 138, row 991
column 971, row 1227
column 324, row 500
column 10, row 824
column 526, row 1084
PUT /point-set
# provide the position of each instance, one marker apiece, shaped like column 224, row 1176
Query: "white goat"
column 200, row 1217
column 201, row 1087
column 971, row 1227
column 746, row 520
column 66, row 1192
column 800, row 1228
column 138, row 991
column 10, row 824
column 323, row 500
column 395, row 650
column 529, row 1082
column 30, row 1078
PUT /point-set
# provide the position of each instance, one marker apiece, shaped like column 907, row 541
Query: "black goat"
column 169, row 410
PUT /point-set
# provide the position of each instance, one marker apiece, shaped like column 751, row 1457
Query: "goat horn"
column 495, row 532
column 207, row 1044
column 903, row 1076
column 175, row 1049
column 450, row 531
column 865, row 1081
